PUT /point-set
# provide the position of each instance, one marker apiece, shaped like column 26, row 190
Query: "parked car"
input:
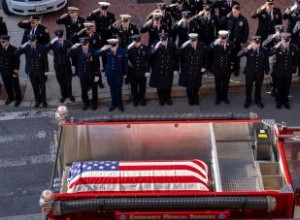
column 31, row 7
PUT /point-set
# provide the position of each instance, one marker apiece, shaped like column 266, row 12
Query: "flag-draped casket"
column 138, row 176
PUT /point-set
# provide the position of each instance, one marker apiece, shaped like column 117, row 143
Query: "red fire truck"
column 218, row 166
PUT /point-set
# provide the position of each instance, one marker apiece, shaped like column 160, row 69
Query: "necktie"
column 74, row 21
column 286, row 50
column 271, row 15
column 32, row 31
column 33, row 49
column 61, row 44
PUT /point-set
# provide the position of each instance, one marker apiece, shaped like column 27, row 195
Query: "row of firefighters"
column 187, row 38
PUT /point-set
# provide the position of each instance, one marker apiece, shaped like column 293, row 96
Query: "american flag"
column 138, row 176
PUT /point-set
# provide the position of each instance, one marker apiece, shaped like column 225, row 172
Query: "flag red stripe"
column 136, row 180
column 200, row 164
column 162, row 167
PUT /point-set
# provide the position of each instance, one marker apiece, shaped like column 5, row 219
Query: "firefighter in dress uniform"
column 166, row 18
column 208, row 25
column 269, row 43
column 193, row 66
column 9, row 70
column 88, row 71
column 284, row 67
column 62, row 65
column 32, row 27
column 124, row 29
column 103, row 20
column 95, row 43
column 138, row 69
column 35, row 56
column 73, row 23
column 177, row 7
column 292, row 14
column 116, row 70
column 183, row 27
column 268, row 16
column 238, row 27
column 222, row 62
column 154, row 27
column 257, row 68
column 224, row 7
column 164, row 60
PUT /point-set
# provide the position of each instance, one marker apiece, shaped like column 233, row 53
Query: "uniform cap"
column 104, row 4
column 207, row 7
column 256, row 39
column 73, row 9
column 32, row 37
column 179, row 1
column 84, row 40
column 88, row 24
column 136, row 37
column 157, row 15
column 193, row 35
column 125, row 16
column 34, row 17
column 186, row 14
column 163, row 36
column 162, row 5
column 270, row 1
column 113, row 41
column 59, row 33
column 4, row 37
column 223, row 33
column 285, row 35
column 279, row 27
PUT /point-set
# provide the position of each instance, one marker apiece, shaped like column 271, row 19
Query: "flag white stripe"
column 139, row 187
column 142, row 173
column 170, row 163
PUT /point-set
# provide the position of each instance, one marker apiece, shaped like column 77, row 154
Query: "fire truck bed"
column 225, row 147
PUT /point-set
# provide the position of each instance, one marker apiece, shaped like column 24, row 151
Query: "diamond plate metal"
column 232, row 132
column 238, row 169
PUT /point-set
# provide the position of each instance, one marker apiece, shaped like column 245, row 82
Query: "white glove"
column 25, row 44
column 185, row 44
column 75, row 46
column 147, row 74
column 217, row 41
column 294, row 7
column 96, row 79
column 175, row 73
column 130, row 46
column 54, row 40
column 157, row 45
column 105, row 47
column 203, row 70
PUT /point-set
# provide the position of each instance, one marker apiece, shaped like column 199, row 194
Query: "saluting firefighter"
column 73, row 23
column 124, row 29
column 225, row 7
column 269, row 43
column 62, row 65
column 284, row 67
column 9, row 70
column 257, row 68
column 164, row 59
column 222, row 62
column 116, row 70
column 183, row 27
column 103, row 20
column 238, row 27
column 154, row 27
column 35, row 68
column 208, row 25
column 268, row 16
column 138, row 69
column 177, row 7
column 193, row 66
column 88, row 71
column 292, row 14
column 95, row 43
column 166, row 18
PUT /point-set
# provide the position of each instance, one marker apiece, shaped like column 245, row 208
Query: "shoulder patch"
column 46, row 30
